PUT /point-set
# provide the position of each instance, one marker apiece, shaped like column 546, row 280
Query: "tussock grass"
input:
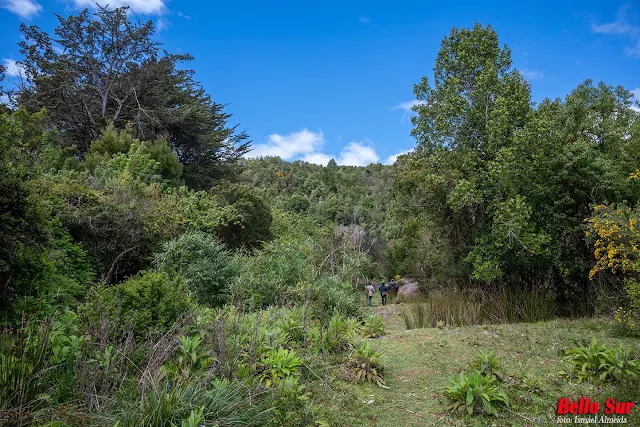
column 475, row 307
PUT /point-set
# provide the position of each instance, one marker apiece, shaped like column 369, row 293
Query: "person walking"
column 394, row 287
column 368, row 292
column 384, row 289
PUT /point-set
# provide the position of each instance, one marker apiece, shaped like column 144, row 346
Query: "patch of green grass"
column 420, row 363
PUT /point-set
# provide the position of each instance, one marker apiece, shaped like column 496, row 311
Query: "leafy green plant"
column 622, row 365
column 373, row 326
column 475, row 392
column 487, row 363
column 596, row 362
column 291, row 403
column 280, row 364
column 589, row 362
column 190, row 359
column 338, row 335
column 196, row 417
column 365, row 364
column 65, row 338
column 531, row 383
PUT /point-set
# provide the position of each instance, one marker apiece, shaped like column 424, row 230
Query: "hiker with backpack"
column 368, row 293
column 394, row 287
column 384, row 289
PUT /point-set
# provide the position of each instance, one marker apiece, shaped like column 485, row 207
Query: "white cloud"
column 182, row 15
column 13, row 68
column 636, row 95
column 162, row 24
column 145, row 7
column 408, row 105
column 622, row 26
column 357, row 154
column 307, row 146
column 532, row 74
column 289, row 146
column 23, row 8
column 364, row 20
column 619, row 26
column 392, row 158
column 317, row 158
column 4, row 99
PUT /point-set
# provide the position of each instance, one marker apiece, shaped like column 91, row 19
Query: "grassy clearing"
column 420, row 362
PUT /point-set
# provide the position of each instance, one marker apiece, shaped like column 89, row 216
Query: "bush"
column 267, row 275
column 476, row 393
column 145, row 303
column 595, row 362
column 486, row 363
column 365, row 364
column 204, row 264
column 279, row 365
column 291, row 404
column 327, row 295
column 373, row 326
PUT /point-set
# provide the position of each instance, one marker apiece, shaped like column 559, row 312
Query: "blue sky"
column 334, row 79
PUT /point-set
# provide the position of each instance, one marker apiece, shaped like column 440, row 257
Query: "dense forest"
column 152, row 274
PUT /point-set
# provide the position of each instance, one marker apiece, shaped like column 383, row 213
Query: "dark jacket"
column 383, row 288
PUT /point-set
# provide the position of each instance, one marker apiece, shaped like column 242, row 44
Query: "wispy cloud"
column 364, row 20
column 622, row 26
column 408, row 105
column 145, row 7
column 22, row 8
column 307, row 146
column 532, row 74
column 162, row 24
column 182, row 15
column 12, row 68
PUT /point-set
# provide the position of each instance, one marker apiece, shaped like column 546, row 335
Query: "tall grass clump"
column 25, row 356
column 477, row 306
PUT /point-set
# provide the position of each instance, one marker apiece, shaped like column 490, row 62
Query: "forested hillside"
column 152, row 274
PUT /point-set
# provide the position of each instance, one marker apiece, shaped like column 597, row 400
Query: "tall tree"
column 105, row 69
column 477, row 100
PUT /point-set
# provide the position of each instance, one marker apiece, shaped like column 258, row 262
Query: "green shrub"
column 326, row 295
column 279, row 365
column 204, row 264
column 150, row 301
column 487, row 363
column 191, row 359
column 595, row 362
column 339, row 333
column 475, row 392
column 373, row 326
column 365, row 364
column 269, row 274
column 291, row 404
column 531, row 383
